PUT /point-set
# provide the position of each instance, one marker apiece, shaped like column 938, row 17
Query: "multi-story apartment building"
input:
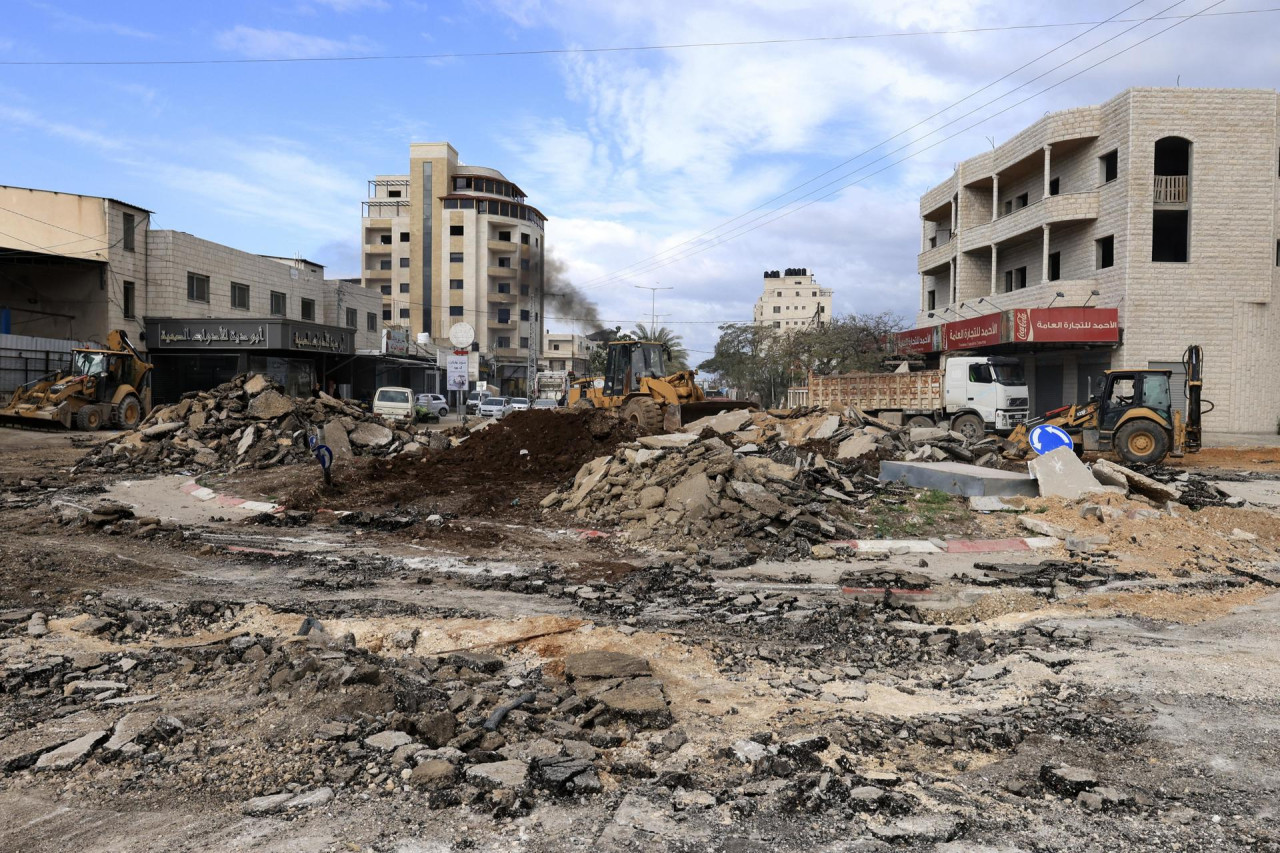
column 1114, row 236
column 792, row 300
column 449, row 243
column 567, row 351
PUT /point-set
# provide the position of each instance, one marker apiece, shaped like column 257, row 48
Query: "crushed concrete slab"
column 1060, row 473
column 604, row 664
column 1139, row 483
column 498, row 774
column 662, row 442
column 70, row 754
column 957, row 478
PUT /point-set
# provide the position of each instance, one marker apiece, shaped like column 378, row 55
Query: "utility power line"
column 404, row 57
column 783, row 213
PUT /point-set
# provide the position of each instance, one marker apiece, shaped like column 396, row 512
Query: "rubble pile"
column 248, row 422
column 795, row 483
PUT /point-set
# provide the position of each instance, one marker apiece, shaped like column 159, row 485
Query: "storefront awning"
column 1017, row 326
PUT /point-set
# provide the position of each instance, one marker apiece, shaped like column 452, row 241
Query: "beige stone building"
column 567, row 351
column 791, row 300
column 1115, row 236
column 448, row 243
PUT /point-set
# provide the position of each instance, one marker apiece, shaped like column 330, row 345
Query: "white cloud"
column 257, row 43
column 75, row 22
column 74, row 132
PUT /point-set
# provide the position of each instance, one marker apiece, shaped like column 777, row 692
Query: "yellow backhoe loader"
column 103, row 387
column 637, row 386
column 1133, row 416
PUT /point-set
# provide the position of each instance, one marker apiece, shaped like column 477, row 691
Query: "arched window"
column 1171, row 209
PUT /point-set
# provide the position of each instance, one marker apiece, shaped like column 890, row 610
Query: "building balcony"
column 499, row 296
column 495, row 323
column 378, row 248
column 1068, row 207
column 378, row 275
column 938, row 256
column 502, row 272
column 503, row 245
column 508, row 352
column 1170, row 189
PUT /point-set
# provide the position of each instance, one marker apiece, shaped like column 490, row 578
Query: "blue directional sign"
column 1047, row 437
column 324, row 456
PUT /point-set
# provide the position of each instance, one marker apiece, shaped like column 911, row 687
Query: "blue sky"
column 628, row 153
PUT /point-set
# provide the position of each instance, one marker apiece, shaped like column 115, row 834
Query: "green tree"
column 678, row 358
column 746, row 359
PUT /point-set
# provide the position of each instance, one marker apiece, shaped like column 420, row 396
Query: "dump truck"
column 972, row 395
column 108, row 386
column 551, row 384
column 637, row 386
column 1132, row 414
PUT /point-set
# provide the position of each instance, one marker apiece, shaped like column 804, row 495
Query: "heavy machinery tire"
column 128, row 412
column 645, row 413
column 918, row 421
column 89, row 418
column 1141, row 442
column 583, row 403
column 970, row 426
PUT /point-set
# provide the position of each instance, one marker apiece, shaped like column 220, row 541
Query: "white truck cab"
column 992, row 387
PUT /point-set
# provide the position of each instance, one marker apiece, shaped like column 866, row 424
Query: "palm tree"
column 679, row 356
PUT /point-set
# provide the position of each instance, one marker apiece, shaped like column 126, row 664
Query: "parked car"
column 394, row 403
column 474, row 399
column 545, row 404
column 495, row 407
column 434, row 403
column 519, row 404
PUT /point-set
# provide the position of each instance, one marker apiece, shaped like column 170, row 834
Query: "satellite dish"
column 461, row 335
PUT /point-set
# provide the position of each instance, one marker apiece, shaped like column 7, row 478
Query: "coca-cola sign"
column 1066, row 325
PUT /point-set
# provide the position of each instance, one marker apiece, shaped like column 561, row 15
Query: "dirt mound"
column 522, row 457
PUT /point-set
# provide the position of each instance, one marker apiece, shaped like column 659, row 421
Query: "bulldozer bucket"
column 43, row 418
column 686, row 413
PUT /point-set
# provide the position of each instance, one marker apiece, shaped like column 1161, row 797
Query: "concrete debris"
column 248, row 422
column 1060, row 473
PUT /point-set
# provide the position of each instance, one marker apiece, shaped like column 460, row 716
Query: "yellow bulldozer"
column 102, row 387
column 1133, row 415
column 637, row 386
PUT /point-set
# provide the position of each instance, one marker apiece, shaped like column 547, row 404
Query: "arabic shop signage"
column 1065, row 325
column 981, row 331
column 927, row 339
column 237, row 335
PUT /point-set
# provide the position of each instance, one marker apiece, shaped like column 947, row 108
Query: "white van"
column 394, row 403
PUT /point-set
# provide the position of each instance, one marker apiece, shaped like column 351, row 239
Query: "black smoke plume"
column 565, row 301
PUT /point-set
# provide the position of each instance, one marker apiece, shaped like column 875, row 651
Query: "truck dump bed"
column 919, row 391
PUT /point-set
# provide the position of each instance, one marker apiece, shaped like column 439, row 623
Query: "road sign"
column 1047, row 437
column 461, row 335
column 457, row 373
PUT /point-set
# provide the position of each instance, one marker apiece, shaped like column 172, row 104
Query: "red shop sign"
column 917, row 340
column 1066, row 325
column 981, row 331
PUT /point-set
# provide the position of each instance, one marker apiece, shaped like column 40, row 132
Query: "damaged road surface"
column 790, row 655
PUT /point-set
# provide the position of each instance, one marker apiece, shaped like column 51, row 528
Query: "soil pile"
column 248, row 422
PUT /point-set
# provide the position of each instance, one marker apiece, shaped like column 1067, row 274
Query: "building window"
column 277, row 303
column 777, row 309
column 504, row 342
column 1105, row 251
column 371, row 322
column 1020, row 278
column 404, row 263
column 127, row 307
column 130, row 223
column 1008, row 206
column 504, row 263
column 384, row 264
column 1055, row 266
column 524, row 343
column 1053, row 186
column 404, row 287
column 504, row 315
column 386, row 289
column 353, row 318
column 556, row 347
column 1278, row 253
column 393, row 194
column 404, row 236
column 197, row 287
column 455, row 257
column 1109, row 164
column 1022, row 200
column 524, row 290
column 1169, row 236
column 240, row 296
column 455, row 310
column 385, row 239
column 524, row 315
column 504, row 236
column 815, row 293
column 386, row 314
column 777, row 325
column 504, row 287
column 524, row 263
column 524, row 238
column 309, row 309
column 455, row 284
column 1008, row 281
column 455, row 231
column 932, row 299
column 404, row 313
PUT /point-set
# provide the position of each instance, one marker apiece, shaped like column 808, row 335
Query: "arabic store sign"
column 975, row 332
column 918, row 340
column 318, row 340
column 1065, row 325
column 214, row 336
